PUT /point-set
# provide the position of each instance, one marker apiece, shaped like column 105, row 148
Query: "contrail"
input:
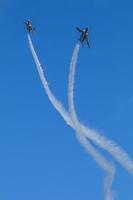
column 117, row 152
column 104, row 164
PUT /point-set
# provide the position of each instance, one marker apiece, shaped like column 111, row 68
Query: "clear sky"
column 40, row 157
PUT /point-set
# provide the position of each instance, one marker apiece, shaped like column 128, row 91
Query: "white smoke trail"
column 108, row 194
column 117, row 152
column 57, row 105
column 104, row 164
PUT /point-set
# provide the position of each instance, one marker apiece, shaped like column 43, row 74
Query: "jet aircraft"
column 84, row 36
column 29, row 26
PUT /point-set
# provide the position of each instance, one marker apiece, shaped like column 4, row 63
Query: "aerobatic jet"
column 29, row 26
column 84, row 36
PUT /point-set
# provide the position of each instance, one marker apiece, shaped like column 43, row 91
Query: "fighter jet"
column 84, row 36
column 29, row 26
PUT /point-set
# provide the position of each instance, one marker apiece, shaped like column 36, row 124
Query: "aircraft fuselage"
column 84, row 35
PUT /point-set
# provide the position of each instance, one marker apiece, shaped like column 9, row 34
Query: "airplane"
column 84, row 36
column 29, row 26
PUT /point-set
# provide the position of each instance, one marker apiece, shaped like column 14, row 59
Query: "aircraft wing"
column 79, row 29
column 87, row 41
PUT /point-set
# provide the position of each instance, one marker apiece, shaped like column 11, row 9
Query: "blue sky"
column 40, row 157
